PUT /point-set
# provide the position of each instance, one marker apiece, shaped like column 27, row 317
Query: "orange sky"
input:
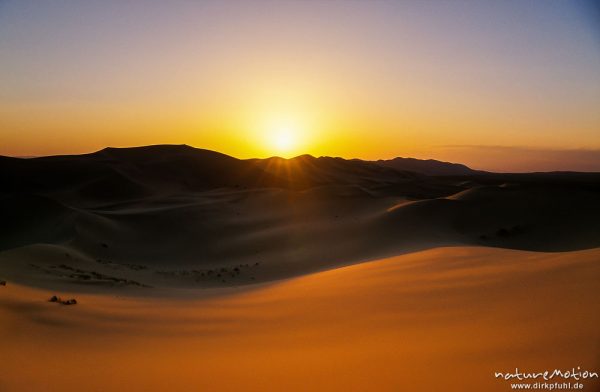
column 352, row 79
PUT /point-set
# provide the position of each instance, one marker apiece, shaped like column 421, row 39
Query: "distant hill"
column 114, row 174
column 428, row 167
column 132, row 172
column 306, row 171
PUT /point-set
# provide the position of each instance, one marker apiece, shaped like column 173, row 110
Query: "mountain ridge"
column 165, row 150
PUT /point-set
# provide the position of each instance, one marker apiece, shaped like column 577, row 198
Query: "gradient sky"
column 498, row 85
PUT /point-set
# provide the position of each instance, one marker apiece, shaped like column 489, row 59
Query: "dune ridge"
column 193, row 270
column 186, row 217
column 444, row 319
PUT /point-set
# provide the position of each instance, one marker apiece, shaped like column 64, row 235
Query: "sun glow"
column 283, row 130
column 284, row 138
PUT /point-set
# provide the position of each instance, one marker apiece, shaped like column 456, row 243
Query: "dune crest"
column 443, row 319
column 177, row 216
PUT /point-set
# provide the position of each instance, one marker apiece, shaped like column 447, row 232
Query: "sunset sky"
column 498, row 85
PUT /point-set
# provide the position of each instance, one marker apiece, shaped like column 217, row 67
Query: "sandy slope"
column 198, row 240
column 198, row 271
column 176, row 216
column 438, row 320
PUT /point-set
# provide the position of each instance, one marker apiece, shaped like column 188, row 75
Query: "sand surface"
column 197, row 271
column 165, row 216
column 444, row 319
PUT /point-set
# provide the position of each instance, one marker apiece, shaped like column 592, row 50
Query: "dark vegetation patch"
column 135, row 267
column 238, row 272
column 56, row 299
column 80, row 275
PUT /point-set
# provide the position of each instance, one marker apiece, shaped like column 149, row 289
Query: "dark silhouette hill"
column 132, row 172
column 429, row 167
column 138, row 172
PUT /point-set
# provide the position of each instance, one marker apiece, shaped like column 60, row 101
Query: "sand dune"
column 309, row 273
column 291, row 234
column 175, row 216
column 438, row 320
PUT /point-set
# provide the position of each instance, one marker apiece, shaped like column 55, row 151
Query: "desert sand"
column 438, row 320
column 196, row 271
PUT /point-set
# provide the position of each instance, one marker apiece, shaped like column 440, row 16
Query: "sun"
column 284, row 135
column 283, row 139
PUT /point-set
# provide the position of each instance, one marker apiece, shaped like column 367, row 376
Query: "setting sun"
column 284, row 139
column 285, row 136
